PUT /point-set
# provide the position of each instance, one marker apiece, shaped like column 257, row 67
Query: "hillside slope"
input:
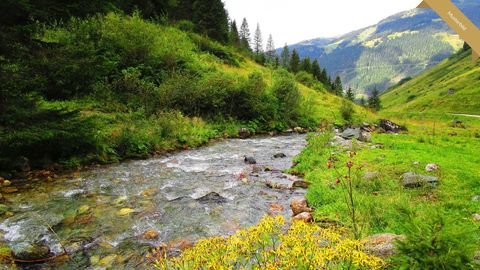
column 453, row 86
column 400, row 46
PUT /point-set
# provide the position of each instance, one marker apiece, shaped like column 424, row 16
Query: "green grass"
column 383, row 204
column 430, row 93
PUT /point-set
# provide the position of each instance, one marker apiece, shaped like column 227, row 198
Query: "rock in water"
column 212, row 197
column 412, row 180
column 299, row 205
column 382, row 245
column 32, row 252
column 250, row 160
column 151, row 234
column 244, row 133
column 125, row 212
column 280, row 155
column 305, row 217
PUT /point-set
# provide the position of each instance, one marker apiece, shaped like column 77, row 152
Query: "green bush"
column 286, row 91
column 435, row 242
column 347, row 111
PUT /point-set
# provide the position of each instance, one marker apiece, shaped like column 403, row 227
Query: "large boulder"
column 300, row 205
column 382, row 245
column 305, row 217
column 412, row 180
column 389, row 126
column 31, row 252
column 351, row 133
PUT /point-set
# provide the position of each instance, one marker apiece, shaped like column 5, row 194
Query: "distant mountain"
column 452, row 86
column 399, row 46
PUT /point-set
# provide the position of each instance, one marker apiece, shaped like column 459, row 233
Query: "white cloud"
column 294, row 21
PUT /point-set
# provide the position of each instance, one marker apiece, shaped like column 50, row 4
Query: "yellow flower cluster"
column 271, row 245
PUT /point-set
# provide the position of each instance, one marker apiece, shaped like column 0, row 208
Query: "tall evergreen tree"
column 362, row 101
column 374, row 100
column 285, row 56
column 294, row 64
column 258, row 41
column 245, row 35
column 210, row 18
column 234, row 36
column 270, row 50
column 337, row 86
column 324, row 78
column 306, row 65
column 350, row 94
column 316, row 71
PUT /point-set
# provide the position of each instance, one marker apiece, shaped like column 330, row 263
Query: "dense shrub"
column 286, row 91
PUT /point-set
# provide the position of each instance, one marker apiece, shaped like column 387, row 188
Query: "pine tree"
column 350, row 95
column 316, row 71
column 324, row 78
column 245, row 35
column 270, row 51
column 337, row 86
column 234, row 36
column 362, row 101
column 294, row 64
column 285, row 56
column 374, row 100
column 306, row 65
column 258, row 41
column 210, row 18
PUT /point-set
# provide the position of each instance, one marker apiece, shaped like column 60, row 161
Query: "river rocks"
column 382, row 245
column 432, row 167
column 299, row 130
column 5, row 182
column 300, row 184
column 212, row 197
column 107, row 261
column 275, row 209
column 412, row 180
column 279, row 155
column 244, row 133
column 8, row 190
column 42, row 175
column 351, row 133
column 125, row 212
column 31, row 252
column 83, row 209
column 305, row 217
column 249, row 160
column 281, row 184
column 390, row 127
column 299, row 205
column 150, row 234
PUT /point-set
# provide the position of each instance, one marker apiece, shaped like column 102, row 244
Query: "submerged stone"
column 125, row 211
column 212, row 197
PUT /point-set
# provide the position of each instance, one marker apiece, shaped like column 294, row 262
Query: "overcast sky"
column 292, row 21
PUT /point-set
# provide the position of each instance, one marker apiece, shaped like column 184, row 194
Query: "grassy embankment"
column 112, row 87
column 438, row 222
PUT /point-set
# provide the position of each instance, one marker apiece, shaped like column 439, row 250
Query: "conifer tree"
column 210, row 18
column 234, row 36
column 285, row 56
column 245, row 35
column 258, row 41
column 316, row 71
column 306, row 65
column 270, row 50
column 362, row 101
column 337, row 86
column 350, row 94
column 294, row 64
column 374, row 100
column 324, row 78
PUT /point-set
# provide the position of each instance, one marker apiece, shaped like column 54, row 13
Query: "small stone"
column 9, row 190
column 107, row 261
column 250, row 160
column 6, row 183
column 280, row 155
column 151, row 234
column 382, row 245
column 244, row 180
column 149, row 192
column 83, row 209
column 305, row 217
column 299, row 205
column 300, row 184
column 274, row 209
column 431, row 167
column 94, row 260
column 125, row 211
column 476, row 217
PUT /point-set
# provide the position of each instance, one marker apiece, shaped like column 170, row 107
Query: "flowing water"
column 102, row 214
